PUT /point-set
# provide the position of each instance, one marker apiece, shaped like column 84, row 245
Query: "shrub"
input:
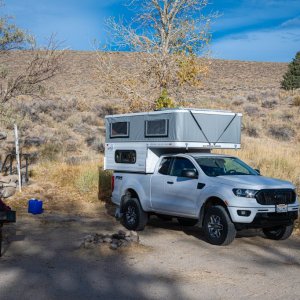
column 250, row 129
column 238, row 102
column 269, row 103
column 107, row 109
column 287, row 116
column 51, row 151
column 251, row 110
column 164, row 101
column 252, row 98
column 104, row 190
column 90, row 119
column 296, row 101
column 281, row 132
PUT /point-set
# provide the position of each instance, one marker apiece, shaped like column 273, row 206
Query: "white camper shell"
column 135, row 141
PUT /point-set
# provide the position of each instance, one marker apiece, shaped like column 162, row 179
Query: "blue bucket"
column 35, row 206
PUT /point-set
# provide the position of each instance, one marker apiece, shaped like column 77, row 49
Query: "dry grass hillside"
column 67, row 123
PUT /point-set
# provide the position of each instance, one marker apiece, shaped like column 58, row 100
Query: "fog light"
column 244, row 213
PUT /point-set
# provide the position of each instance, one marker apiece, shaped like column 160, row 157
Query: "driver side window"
column 182, row 164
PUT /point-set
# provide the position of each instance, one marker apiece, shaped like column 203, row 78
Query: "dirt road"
column 43, row 260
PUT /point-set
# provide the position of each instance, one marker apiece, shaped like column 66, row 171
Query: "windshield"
column 220, row 166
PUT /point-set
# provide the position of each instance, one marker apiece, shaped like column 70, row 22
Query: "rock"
column 14, row 178
column 113, row 246
column 107, row 240
column 8, row 192
column 122, row 233
column 134, row 236
column 115, row 241
column 4, row 179
column 89, row 238
column 88, row 245
column 11, row 184
column 8, row 179
column 125, row 243
column 133, row 233
column 118, row 236
column 3, row 135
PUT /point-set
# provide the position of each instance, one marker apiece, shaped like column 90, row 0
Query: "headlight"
column 245, row 193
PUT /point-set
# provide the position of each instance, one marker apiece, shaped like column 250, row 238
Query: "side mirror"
column 189, row 174
column 257, row 170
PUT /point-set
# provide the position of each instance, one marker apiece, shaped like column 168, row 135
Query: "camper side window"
column 119, row 129
column 125, row 156
column 156, row 128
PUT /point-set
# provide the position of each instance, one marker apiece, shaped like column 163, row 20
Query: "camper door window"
column 156, row 128
column 119, row 129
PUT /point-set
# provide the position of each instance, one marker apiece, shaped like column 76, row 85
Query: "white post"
column 18, row 156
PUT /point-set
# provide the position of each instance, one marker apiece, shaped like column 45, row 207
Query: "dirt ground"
column 42, row 259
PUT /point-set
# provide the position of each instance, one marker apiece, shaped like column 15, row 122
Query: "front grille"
column 272, row 197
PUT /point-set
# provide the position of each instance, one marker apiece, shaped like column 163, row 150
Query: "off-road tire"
column 218, row 228
column 279, row 232
column 187, row 221
column 134, row 218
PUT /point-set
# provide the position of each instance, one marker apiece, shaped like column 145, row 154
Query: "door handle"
column 170, row 182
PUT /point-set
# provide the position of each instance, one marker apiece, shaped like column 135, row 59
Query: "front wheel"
column 279, row 232
column 218, row 228
column 134, row 218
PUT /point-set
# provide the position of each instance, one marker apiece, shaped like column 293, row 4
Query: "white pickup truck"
column 219, row 193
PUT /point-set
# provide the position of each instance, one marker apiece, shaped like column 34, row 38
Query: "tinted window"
column 125, row 156
column 119, row 129
column 165, row 166
column 156, row 128
column 181, row 164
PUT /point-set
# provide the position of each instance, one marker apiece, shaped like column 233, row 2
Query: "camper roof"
column 179, row 109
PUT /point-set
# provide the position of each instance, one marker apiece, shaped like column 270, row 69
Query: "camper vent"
column 155, row 128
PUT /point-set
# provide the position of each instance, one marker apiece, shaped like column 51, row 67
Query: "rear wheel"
column 218, row 228
column 187, row 221
column 134, row 218
column 279, row 232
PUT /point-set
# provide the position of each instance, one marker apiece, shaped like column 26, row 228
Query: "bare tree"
column 166, row 36
column 42, row 63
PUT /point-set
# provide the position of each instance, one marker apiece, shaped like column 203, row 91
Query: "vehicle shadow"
column 172, row 225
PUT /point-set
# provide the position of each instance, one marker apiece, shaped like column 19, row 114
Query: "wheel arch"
column 211, row 201
column 128, row 194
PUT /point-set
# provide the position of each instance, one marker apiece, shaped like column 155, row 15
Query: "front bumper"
column 263, row 216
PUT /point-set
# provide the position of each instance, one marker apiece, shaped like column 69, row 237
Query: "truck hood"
column 254, row 182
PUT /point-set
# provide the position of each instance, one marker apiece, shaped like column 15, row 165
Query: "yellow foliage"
column 164, row 101
column 190, row 70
